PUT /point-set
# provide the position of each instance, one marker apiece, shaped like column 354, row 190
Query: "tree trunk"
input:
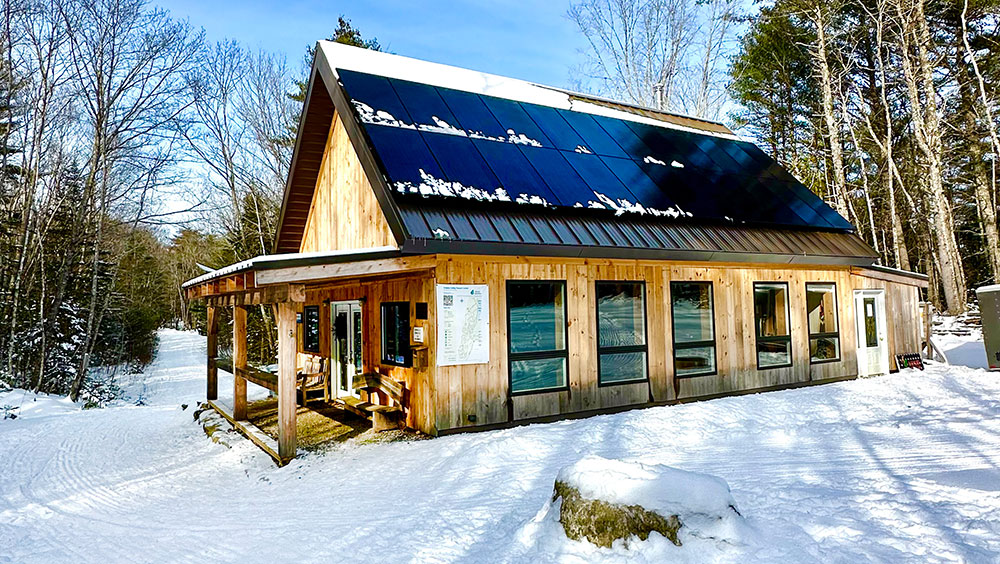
column 829, row 115
column 927, row 128
column 982, row 186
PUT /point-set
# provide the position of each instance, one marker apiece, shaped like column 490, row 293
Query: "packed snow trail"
column 898, row 468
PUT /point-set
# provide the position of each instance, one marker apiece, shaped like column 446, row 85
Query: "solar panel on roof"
column 514, row 172
column 439, row 142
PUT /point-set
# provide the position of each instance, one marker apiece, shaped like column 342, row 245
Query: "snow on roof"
column 445, row 76
column 988, row 289
column 290, row 259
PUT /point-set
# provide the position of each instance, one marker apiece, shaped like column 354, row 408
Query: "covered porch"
column 327, row 381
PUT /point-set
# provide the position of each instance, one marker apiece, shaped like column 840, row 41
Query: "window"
column 821, row 310
column 396, row 334
column 621, row 332
column 774, row 339
column 536, row 329
column 310, row 329
column 694, row 328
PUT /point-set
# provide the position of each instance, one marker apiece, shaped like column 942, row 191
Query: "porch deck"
column 318, row 426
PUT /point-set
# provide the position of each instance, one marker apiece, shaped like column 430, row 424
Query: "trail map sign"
column 463, row 324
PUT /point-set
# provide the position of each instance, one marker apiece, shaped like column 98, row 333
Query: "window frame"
column 694, row 344
column 834, row 334
column 513, row 357
column 306, row 310
column 408, row 355
column 643, row 348
column 777, row 339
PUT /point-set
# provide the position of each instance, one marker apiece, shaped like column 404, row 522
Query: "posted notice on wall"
column 463, row 312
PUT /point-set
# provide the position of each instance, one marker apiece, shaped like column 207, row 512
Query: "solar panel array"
column 435, row 140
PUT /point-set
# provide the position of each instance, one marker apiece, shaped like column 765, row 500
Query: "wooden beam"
column 286, row 381
column 339, row 270
column 239, row 362
column 278, row 293
column 212, row 392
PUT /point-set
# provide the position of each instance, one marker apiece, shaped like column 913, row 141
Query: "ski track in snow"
column 898, row 468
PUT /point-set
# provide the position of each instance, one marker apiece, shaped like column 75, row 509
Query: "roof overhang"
column 887, row 274
column 294, row 260
column 324, row 98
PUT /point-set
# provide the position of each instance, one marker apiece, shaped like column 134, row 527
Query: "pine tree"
column 345, row 34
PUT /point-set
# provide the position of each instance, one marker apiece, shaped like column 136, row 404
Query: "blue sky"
column 526, row 39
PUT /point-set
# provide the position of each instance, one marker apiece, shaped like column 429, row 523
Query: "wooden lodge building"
column 469, row 251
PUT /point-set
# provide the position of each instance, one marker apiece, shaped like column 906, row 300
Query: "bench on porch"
column 384, row 417
column 312, row 375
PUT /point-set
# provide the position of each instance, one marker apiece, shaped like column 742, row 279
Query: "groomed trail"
column 903, row 468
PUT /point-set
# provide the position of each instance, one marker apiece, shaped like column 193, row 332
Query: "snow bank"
column 961, row 339
column 25, row 404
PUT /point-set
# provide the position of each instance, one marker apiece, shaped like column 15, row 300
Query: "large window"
column 621, row 332
column 310, row 329
column 821, row 310
column 774, row 338
column 396, row 334
column 536, row 327
column 694, row 328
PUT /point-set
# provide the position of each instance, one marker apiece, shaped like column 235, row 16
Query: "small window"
column 694, row 328
column 821, row 310
column 774, row 338
column 310, row 329
column 396, row 334
column 536, row 329
column 621, row 332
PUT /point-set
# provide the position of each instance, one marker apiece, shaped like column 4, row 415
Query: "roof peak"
column 349, row 57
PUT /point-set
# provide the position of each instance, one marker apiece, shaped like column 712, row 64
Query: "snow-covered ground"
column 966, row 350
column 897, row 468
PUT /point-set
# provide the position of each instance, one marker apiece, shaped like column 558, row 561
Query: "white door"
column 873, row 342
column 348, row 336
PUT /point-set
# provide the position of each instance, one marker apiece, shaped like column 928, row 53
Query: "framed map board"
column 463, row 324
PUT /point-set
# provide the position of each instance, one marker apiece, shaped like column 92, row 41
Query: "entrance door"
column 873, row 344
column 348, row 338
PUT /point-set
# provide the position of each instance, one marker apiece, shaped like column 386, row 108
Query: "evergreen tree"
column 346, row 34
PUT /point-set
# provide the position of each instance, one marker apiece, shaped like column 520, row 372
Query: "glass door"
column 348, row 344
column 873, row 346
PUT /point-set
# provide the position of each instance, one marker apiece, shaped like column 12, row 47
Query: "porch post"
column 286, row 381
column 212, row 393
column 239, row 362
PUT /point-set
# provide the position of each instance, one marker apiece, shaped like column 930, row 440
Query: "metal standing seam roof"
column 515, row 232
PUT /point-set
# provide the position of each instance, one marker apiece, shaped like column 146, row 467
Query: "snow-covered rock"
column 604, row 500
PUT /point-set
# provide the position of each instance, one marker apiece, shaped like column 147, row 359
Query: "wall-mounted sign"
column 418, row 334
column 463, row 324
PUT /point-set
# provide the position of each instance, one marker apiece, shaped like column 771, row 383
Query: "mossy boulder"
column 602, row 523
column 216, row 427
column 602, row 501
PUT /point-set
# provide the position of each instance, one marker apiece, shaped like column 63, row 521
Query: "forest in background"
column 112, row 112
column 885, row 108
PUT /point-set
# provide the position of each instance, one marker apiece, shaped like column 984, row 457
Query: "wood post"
column 286, row 381
column 239, row 362
column 212, row 392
